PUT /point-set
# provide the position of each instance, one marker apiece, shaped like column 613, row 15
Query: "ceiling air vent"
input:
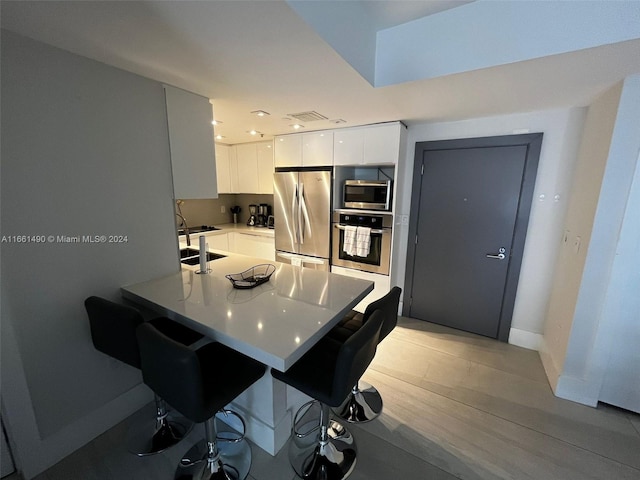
column 307, row 116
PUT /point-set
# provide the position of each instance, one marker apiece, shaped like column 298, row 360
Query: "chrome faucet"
column 183, row 221
column 186, row 229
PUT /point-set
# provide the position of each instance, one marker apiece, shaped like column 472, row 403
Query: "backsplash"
column 207, row 211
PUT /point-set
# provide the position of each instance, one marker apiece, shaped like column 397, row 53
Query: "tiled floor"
column 456, row 406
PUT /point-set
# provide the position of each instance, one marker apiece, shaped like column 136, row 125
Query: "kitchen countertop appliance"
column 253, row 215
column 302, row 200
column 263, row 214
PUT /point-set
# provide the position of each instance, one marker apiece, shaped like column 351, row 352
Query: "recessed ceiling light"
column 220, row 137
column 216, row 122
column 253, row 132
column 260, row 113
column 296, row 126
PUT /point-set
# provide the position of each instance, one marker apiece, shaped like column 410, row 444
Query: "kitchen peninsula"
column 274, row 323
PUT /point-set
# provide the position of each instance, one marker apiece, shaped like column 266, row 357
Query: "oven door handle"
column 373, row 230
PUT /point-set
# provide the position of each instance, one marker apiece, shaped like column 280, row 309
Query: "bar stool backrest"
column 113, row 329
column 172, row 370
column 389, row 306
column 355, row 355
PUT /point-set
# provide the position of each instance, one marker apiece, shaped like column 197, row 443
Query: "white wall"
column 621, row 382
column 347, row 27
column 510, row 31
column 601, row 290
column 582, row 203
column 84, row 152
column 562, row 130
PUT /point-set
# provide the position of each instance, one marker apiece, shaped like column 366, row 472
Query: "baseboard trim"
column 522, row 338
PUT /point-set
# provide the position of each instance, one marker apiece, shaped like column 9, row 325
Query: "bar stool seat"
column 198, row 384
column 327, row 373
column 364, row 403
column 113, row 332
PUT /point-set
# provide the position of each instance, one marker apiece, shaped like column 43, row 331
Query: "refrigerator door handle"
column 301, row 207
column 294, row 217
column 304, row 219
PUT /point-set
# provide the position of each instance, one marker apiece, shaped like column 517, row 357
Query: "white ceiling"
column 259, row 55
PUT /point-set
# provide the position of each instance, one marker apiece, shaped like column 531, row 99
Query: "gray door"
column 470, row 207
column 315, row 213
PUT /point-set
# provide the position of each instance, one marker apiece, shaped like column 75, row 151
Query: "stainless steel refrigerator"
column 302, row 210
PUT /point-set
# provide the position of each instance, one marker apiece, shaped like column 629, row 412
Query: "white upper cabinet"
column 304, row 149
column 317, row 149
column 247, row 158
column 193, row 160
column 265, row 167
column 348, row 146
column 288, row 151
column 382, row 143
column 223, row 168
column 370, row 145
column 245, row 168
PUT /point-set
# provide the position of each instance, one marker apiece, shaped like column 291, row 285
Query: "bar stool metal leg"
column 157, row 435
column 217, row 457
column 324, row 453
column 363, row 404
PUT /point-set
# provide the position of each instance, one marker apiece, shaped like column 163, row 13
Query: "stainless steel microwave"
column 367, row 194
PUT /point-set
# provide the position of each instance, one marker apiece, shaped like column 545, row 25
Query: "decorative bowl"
column 252, row 277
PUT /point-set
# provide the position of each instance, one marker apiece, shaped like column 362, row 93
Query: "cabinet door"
column 317, row 149
column 348, row 146
column 223, row 168
column 288, row 150
column 265, row 167
column 218, row 241
column 233, row 168
column 254, row 246
column 193, row 160
column 247, row 161
column 382, row 144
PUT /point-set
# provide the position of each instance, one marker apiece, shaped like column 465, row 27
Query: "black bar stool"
column 198, row 383
column 113, row 332
column 327, row 373
column 364, row 403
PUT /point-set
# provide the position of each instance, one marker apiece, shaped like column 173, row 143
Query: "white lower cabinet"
column 382, row 284
column 218, row 241
column 252, row 245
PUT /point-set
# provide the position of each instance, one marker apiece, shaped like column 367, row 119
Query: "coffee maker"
column 263, row 214
column 253, row 218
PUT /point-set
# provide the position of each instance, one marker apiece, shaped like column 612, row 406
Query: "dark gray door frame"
column 533, row 142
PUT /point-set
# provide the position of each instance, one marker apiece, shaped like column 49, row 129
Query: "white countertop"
column 234, row 227
column 274, row 323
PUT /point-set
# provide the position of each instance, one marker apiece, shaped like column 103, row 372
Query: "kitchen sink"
column 191, row 256
column 198, row 229
column 188, row 252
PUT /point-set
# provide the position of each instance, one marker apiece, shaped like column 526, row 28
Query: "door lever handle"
column 500, row 255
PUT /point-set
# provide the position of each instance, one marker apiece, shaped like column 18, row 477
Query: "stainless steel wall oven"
column 379, row 255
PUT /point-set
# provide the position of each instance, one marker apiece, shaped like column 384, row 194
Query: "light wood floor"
column 455, row 406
